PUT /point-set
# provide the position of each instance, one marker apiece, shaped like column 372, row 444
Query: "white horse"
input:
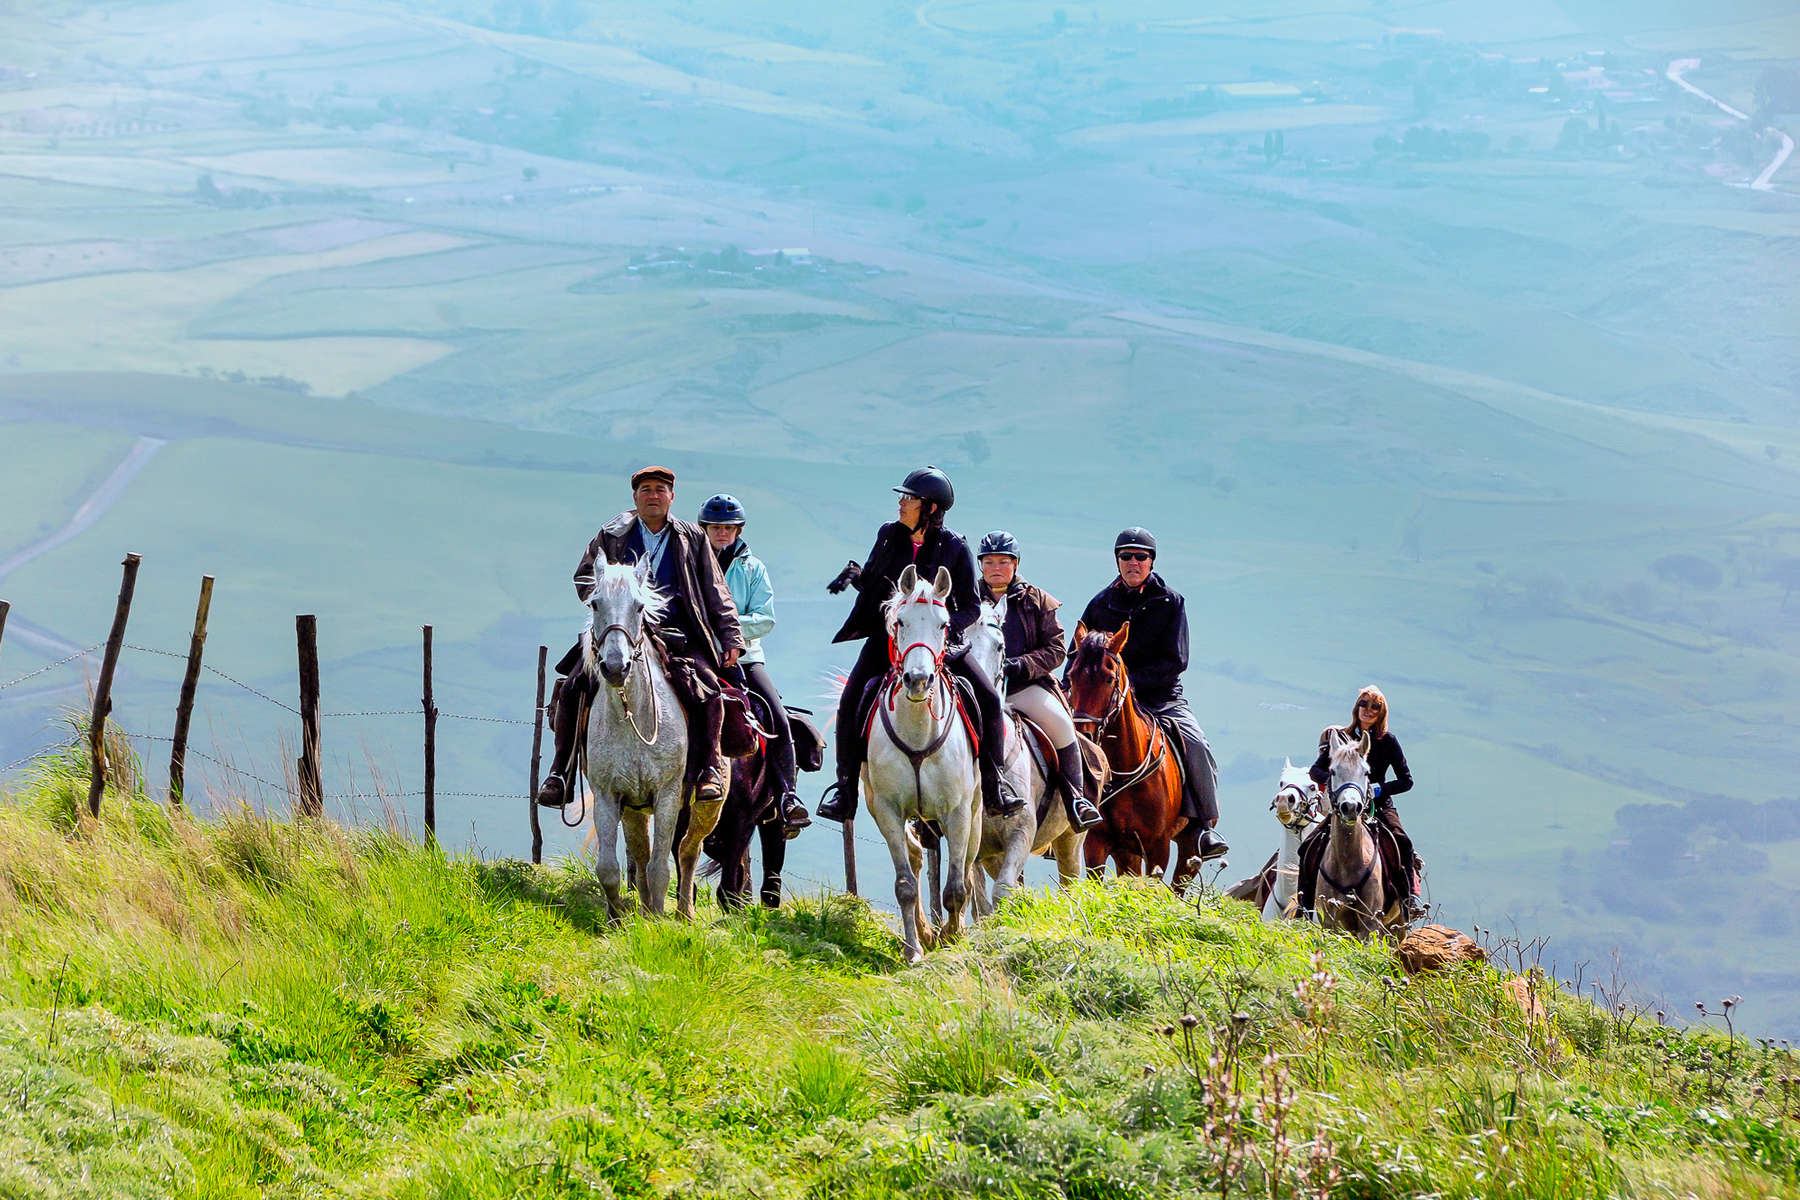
column 921, row 765
column 636, row 750
column 1008, row 842
column 1299, row 804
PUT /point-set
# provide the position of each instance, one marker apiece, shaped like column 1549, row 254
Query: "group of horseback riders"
column 722, row 605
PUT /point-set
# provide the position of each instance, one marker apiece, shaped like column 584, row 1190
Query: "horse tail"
column 712, row 868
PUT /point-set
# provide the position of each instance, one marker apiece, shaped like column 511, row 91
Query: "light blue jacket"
column 748, row 581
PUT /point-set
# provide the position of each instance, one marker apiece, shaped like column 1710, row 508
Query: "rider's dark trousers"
column 781, row 742
column 1201, row 795
column 852, row 741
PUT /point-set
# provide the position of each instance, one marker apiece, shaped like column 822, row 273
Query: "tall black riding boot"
column 840, row 798
column 997, row 799
column 1082, row 812
column 565, row 718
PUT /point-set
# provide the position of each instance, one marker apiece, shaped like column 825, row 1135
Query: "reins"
column 946, row 726
column 1154, row 753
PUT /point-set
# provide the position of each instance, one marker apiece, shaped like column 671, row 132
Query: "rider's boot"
column 713, row 774
column 794, row 816
column 839, row 802
column 565, row 713
column 997, row 799
column 1082, row 812
column 1211, row 844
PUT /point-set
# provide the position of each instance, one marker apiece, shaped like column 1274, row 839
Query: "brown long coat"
column 1033, row 634
column 705, row 601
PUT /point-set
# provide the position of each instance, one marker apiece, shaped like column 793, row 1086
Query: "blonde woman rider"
column 1370, row 716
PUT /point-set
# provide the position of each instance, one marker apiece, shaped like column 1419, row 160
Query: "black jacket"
column 1035, row 643
column 703, row 602
column 1384, row 756
column 1157, row 652
column 890, row 556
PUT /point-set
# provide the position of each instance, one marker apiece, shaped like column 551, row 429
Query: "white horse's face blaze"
column 1349, row 778
column 618, row 605
column 1294, row 802
column 919, row 623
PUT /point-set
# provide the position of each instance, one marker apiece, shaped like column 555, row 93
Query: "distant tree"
column 1574, row 135
column 205, row 190
column 1688, row 570
column 1786, row 572
column 1777, row 92
column 529, row 174
column 976, row 444
column 1059, row 20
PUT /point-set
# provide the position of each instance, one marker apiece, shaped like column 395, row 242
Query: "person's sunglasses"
column 1133, row 556
column 1372, row 705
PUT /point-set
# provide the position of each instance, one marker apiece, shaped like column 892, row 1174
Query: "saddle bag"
column 809, row 743
column 738, row 736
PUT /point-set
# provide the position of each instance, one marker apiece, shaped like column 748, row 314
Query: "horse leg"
column 903, row 849
column 1095, row 850
column 774, row 857
column 637, row 857
column 1009, row 872
column 929, row 930
column 959, row 835
column 703, row 818
column 1187, row 856
column 934, row 868
column 606, row 866
column 1070, row 848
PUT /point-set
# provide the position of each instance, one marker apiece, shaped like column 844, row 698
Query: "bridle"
column 1349, row 887
column 637, row 645
column 1305, row 808
column 897, row 656
column 945, row 720
column 1159, row 742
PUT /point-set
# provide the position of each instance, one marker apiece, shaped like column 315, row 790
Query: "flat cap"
column 646, row 473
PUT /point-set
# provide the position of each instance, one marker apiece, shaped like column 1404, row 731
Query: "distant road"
column 1763, row 182
column 95, row 507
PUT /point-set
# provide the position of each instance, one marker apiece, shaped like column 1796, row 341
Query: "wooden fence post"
column 431, row 716
column 184, row 707
column 850, row 855
column 537, row 750
column 4, row 609
column 103, row 689
column 312, row 793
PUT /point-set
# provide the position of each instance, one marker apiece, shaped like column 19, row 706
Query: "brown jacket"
column 705, row 602
column 1033, row 634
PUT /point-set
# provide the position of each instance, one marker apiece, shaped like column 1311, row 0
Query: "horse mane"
column 615, row 579
column 890, row 608
column 1090, row 655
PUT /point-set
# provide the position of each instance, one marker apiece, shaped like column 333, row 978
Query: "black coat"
column 1157, row 652
column 1384, row 755
column 890, row 556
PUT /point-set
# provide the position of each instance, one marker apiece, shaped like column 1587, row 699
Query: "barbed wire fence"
column 300, row 783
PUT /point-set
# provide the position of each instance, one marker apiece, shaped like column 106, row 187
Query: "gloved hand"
column 850, row 574
column 1374, row 791
column 1014, row 673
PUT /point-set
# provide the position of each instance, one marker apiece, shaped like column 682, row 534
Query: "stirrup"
column 1006, row 804
column 1084, row 814
column 546, row 798
column 834, row 805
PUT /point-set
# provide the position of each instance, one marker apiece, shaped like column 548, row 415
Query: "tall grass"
column 250, row 1006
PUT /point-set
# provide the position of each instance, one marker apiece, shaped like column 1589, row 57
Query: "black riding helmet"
column 999, row 542
column 1135, row 538
column 722, row 509
column 929, row 483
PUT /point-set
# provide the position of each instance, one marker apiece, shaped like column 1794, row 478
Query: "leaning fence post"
column 4, row 609
column 850, row 855
column 537, row 750
column 431, row 716
column 312, row 795
column 103, row 689
column 184, row 707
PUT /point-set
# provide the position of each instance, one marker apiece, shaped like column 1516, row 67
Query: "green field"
column 407, row 289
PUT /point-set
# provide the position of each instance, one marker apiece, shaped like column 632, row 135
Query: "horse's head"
column 1297, row 801
column 1349, row 758
column 1098, row 684
column 622, row 603
column 918, row 623
column 987, row 642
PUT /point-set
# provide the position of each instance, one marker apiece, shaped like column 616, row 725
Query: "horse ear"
column 942, row 585
column 1362, row 743
column 1080, row 633
column 909, row 579
column 1118, row 640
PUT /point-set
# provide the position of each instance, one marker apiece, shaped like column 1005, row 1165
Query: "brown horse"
column 1142, row 802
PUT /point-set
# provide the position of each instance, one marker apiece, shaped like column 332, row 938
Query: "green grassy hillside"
column 253, row 1007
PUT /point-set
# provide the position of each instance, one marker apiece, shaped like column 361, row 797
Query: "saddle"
column 1393, row 862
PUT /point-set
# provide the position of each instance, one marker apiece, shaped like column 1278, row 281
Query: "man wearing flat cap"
column 700, row 632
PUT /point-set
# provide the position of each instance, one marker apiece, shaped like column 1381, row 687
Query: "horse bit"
column 637, row 656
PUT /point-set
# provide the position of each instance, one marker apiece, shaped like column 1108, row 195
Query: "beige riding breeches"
column 1048, row 711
